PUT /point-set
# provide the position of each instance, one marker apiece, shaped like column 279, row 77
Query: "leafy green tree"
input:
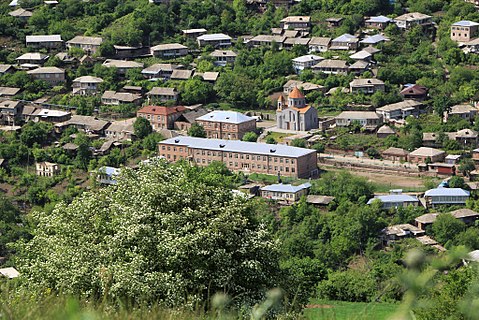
column 349, row 285
column 35, row 132
column 343, row 186
column 197, row 130
column 270, row 140
column 466, row 165
column 84, row 154
column 11, row 224
column 446, row 227
column 300, row 143
column 150, row 142
column 457, row 182
column 196, row 91
column 142, row 127
column 250, row 137
column 190, row 238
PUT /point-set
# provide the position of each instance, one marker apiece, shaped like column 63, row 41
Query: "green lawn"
column 339, row 310
column 279, row 136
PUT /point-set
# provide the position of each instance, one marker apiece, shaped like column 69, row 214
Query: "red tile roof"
column 296, row 94
column 161, row 110
column 414, row 90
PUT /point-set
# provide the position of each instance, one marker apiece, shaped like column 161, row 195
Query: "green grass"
column 340, row 310
column 279, row 136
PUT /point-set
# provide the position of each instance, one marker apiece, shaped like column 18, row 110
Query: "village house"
column 467, row 216
column 86, row 85
column 47, row 169
column 396, row 199
column 114, row 98
column 209, row 76
column 10, row 111
column 8, row 92
column 302, row 23
column 464, row 111
column 329, row 66
column 184, row 121
column 162, row 94
column 122, row 66
column 369, row 120
column 250, row 157
column 453, row 158
column 425, row 154
column 409, row 20
column 289, row 43
column 431, row 139
column 50, row 115
column 230, row 125
column 285, row 192
column 178, row 74
column 90, row 45
column 306, row 87
column 379, row 22
column 441, row 168
column 194, row 33
column 87, row 124
column 366, row 86
column 6, row 68
column 361, row 55
column 446, row 196
column 334, row 22
column 129, row 52
column 266, row 40
column 45, row 41
column 395, row 154
column 319, row 44
column 169, row 50
column 216, row 40
column 359, row 67
column 398, row 232
column 21, row 14
column 296, row 114
column 465, row 137
column 52, row 75
column 385, row 131
column 374, row 40
column 414, row 91
column 345, row 42
column 305, row 62
column 33, row 59
column 223, row 57
column 107, row 175
column 464, row 31
column 401, row 110
column 470, row 46
column 121, row 130
column 161, row 117
column 159, row 71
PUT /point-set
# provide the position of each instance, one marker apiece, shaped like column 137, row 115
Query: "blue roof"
column 465, row 23
column 239, row 146
column 394, row 198
column 345, row 38
column 286, row 187
column 458, row 192
column 225, row 116
column 379, row 19
column 109, row 171
column 374, row 39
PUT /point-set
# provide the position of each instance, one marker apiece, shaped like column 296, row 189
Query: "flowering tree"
column 168, row 233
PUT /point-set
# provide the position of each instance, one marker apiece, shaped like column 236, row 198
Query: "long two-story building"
column 249, row 157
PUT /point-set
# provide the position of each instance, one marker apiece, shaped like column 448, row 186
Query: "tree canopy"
column 168, row 233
